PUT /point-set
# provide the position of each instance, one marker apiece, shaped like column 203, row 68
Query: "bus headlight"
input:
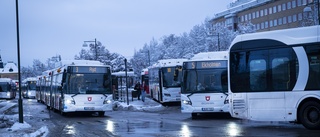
column 29, row 93
column 70, row 101
column 107, row 101
column 187, row 102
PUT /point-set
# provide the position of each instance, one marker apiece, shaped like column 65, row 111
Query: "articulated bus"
column 205, row 84
column 163, row 88
column 7, row 88
column 145, row 78
column 43, row 84
column 78, row 86
column 275, row 76
column 28, row 87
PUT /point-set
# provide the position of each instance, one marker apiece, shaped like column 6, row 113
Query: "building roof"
column 239, row 5
column 9, row 67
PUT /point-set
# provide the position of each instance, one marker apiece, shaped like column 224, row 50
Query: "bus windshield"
column 32, row 85
column 4, row 87
column 168, row 76
column 87, row 83
column 205, row 81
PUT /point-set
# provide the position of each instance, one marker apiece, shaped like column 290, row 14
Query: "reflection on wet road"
column 169, row 123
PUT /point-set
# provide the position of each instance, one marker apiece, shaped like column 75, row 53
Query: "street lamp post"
column 19, row 71
column 95, row 46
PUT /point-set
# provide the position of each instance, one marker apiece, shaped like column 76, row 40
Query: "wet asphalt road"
column 168, row 123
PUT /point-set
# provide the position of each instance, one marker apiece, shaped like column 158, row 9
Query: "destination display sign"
column 204, row 64
column 88, row 69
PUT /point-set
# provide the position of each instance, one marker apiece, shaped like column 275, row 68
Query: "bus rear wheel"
column 309, row 115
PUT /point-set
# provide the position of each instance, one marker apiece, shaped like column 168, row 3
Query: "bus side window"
column 258, row 75
column 314, row 68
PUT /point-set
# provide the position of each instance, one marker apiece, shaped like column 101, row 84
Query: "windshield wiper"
column 75, row 94
column 190, row 94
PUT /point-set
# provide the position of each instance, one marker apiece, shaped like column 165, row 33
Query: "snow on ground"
column 19, row 129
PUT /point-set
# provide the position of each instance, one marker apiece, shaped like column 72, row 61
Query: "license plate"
column 88, row 108
column 207, row 109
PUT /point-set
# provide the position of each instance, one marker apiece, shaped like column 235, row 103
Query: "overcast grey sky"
column 59, row 27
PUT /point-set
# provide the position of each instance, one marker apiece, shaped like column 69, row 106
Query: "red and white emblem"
column 89, row 98
column 207, row 98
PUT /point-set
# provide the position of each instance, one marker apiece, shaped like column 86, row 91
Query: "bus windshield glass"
column 4, row 86
column 32, row 85
column 205, row 81
column 168, row 77
column 88, row 83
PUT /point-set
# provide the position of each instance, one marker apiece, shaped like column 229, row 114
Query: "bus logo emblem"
column 207, row 98
column 89, row 98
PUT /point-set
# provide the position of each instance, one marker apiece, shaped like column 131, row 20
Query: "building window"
column 262, row 25
column 284, row 20
column 246, row 17
column 242, row 18
column 274, row 9
column 270, row 10
column 275, row 23
column 289, row 5
column 299, row 2
column 258, row 26
column 289, row 19
column 271, row 23
column 257, row 14
column 253, row 15
column 265, row 12
column 283, row 6
column 294, row 18
column 299, row 16
column 266, row 24
column 279, row 8
column 293, row 4
column 261, row 13
column 280, row 21
column 304, row 2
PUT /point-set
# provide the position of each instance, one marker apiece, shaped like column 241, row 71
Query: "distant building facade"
column 268, row 15
column 8, row 70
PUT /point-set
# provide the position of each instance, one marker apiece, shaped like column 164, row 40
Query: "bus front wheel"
column 309, row 115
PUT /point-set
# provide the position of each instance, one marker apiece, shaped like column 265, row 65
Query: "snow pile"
column 137, row 105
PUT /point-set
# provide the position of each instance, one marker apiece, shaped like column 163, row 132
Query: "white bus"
column 275, row 76
column 79, row 86
column 7, row 88
column 205, row 84
column 28, row 87
column 162, row 86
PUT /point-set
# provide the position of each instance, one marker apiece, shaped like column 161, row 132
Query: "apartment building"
column 268, row 15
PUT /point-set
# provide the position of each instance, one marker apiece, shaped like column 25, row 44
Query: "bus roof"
column 168, row 63
column 5, row 80
column 29, row 79
column 78, row 62
column 216, row 55
column 287, row 36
